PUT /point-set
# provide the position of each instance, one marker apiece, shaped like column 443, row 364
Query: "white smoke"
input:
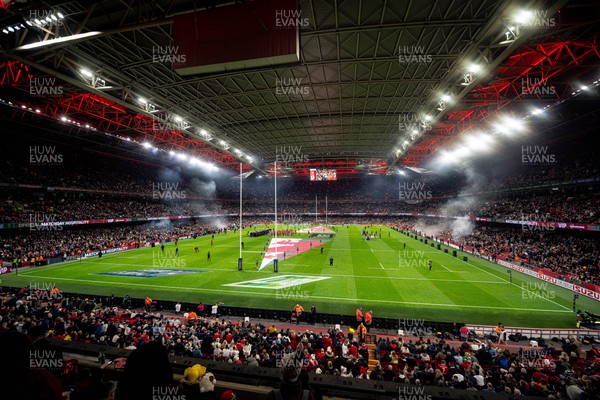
column 465, row 204
column 161, row 224
column 461, row 228
column 207, row 190
column 428, row 228
column 169, row 175
column 202, row 188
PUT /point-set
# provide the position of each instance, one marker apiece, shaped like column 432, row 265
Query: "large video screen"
column 323, row 175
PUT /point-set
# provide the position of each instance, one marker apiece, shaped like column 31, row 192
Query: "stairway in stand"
column 372, row 356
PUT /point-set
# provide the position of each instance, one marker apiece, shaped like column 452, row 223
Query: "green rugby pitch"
column 380, row 275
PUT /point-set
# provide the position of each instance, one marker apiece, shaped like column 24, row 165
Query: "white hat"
column 206, row 384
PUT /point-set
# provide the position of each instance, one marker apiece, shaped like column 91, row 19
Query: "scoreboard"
column 323, row 175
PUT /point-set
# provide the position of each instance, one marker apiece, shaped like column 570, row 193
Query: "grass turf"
column 389, row 275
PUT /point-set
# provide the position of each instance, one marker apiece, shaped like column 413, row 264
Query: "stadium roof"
column 368, row 92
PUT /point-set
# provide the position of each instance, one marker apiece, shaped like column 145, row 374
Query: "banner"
column 108, row 251
column 559, row 225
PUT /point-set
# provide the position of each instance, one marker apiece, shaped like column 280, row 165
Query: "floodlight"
column 523, row 17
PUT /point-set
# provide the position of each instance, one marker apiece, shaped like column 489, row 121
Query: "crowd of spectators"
column 559, row 207
column 566, row 371
column 582, row 208
column 75, row 241
column 76, row 208
column 95, row 187
column 572, row 254
column 556, row 371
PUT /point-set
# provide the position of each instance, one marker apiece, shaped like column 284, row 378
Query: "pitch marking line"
column 352, row 300
column 247, row 271
column 449, row 270
column 514, row 284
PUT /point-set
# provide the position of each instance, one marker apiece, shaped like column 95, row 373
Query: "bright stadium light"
column 63, row 39
column 509, row 125
column 473, row 68
column 461, row 152
column 181, row 156
column 523, row 17
column 479, row 141
column 147, row 145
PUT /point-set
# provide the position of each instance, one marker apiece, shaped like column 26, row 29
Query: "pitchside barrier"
column 256, row 383
column 544, row 333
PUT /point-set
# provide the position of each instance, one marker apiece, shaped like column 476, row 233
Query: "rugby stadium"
column 300, row 199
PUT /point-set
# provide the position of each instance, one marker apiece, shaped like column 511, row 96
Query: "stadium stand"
column 33, row 320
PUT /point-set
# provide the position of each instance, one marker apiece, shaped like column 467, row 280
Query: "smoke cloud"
column 467, row 200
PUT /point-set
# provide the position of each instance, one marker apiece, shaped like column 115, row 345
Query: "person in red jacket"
column 327, row 342
column 368, row 319
column 359, row 316
column 353, row 350
column 192, row 316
